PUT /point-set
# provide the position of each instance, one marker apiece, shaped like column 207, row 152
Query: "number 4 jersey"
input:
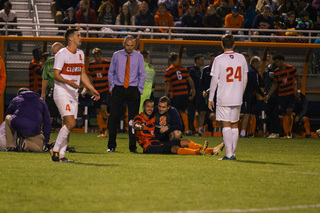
column 70, row 65
column 231, row 69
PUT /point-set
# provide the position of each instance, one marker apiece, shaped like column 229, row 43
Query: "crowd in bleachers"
column 249, row 14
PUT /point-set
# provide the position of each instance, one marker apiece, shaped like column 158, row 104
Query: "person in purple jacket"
column 24, row 118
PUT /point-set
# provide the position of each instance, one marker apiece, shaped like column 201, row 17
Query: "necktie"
column 127, row 74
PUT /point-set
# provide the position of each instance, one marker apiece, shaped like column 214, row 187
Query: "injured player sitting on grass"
column 144, row 126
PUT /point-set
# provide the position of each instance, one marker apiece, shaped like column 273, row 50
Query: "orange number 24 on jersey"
column 233, row 75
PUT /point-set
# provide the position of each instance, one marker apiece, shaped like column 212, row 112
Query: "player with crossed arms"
column 229, row 72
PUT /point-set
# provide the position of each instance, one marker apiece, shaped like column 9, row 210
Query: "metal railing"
column 99, row 30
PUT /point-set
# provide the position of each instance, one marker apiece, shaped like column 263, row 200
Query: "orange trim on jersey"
column 229, row 53
column 71, row 51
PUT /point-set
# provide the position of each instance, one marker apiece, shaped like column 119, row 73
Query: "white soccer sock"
column 243, row 132
column 235, row 137
column 199, row 130
column 227, row 139
column 62, row 139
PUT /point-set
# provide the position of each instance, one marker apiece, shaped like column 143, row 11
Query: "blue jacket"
column 253, row 84
column 29, row 112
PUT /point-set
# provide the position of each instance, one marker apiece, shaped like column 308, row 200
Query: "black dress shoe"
column 111, row 150
column 134, row 151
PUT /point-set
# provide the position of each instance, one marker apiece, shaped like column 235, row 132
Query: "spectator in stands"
column 246, row 9
column 149, row 79
column 1, row 3
column 212, row 19
column 234, row 20
column 59, row 8
column 223, row 9
column 85, row 14
column 196, row 104
column 272, row 105
column 48, row 84
column 299, row 111
column 125, row 18
column 144, row 17
column 25, row 116
column 250, row 98
column 177, row 80
column 107, row 14
column 163, row 18
column 285, row 80
column 191, row 19
column 270, row 3
column 316, row 4
column 70, row 18
column 171, row 4
column 304, row 22
column 179, row 9
column 153, row 5
column 263, row 21
column 217, row 3
column 98, row 74
column 10, row 16
column 283, row 7
column 202, row 7
column 304, row 5
column 291, row 23
column 317, row 23
column 134, row 6
column 3, row 76
column 35, row 71
column 168, row 121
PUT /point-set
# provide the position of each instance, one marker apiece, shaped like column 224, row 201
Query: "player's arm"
column 298, row 82
column 166, row 89
column 44, row 88
column 58, row 77
column 213, row 87
column 192, row 90
column 85, row 80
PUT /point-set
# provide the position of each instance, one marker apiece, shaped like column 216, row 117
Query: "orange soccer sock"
column 193, row 145
column 187, row 151
column 306, row 125
column 290, row 123
column 184, row 118
column 209, row 150
column 100, row 122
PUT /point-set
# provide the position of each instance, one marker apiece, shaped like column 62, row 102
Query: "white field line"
column 270, row 209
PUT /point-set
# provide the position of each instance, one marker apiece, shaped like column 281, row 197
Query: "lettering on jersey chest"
column 73, row 65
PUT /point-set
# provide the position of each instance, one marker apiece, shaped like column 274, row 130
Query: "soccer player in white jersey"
column 229, row 72
column 68, row 71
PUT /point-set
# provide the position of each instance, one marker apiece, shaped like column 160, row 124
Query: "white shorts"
column 67, row 105
column 228, row 113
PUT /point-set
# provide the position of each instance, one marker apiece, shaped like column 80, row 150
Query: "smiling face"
column 163, row 108
column 148, row 108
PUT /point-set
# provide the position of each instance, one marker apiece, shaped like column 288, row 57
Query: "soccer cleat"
column 273, row 135
column 66, row 160
column 218, row 149
column 54, row 155
column 288, row 136
column 111, row 150
column 308, row 136
column 202, row 150
column 226, row 158
column 188, row 133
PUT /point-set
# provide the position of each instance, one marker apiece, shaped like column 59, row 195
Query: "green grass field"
column 269, row 176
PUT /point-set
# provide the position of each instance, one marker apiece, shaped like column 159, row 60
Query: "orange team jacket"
column 35, row 76
column 99, row 74
column 163, row 20
column 231, row 22
column 147, row 136
column 286, row 80
column 177, row 76
column 217, row 3
column 3, row 76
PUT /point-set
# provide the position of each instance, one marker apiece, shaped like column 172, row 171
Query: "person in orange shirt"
column 163, row 18
column 234, row 20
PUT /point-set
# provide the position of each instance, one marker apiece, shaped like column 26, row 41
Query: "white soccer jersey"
column 70, row 64
column 231, row 69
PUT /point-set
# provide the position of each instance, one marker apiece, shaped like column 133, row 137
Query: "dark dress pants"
column 120, row 95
